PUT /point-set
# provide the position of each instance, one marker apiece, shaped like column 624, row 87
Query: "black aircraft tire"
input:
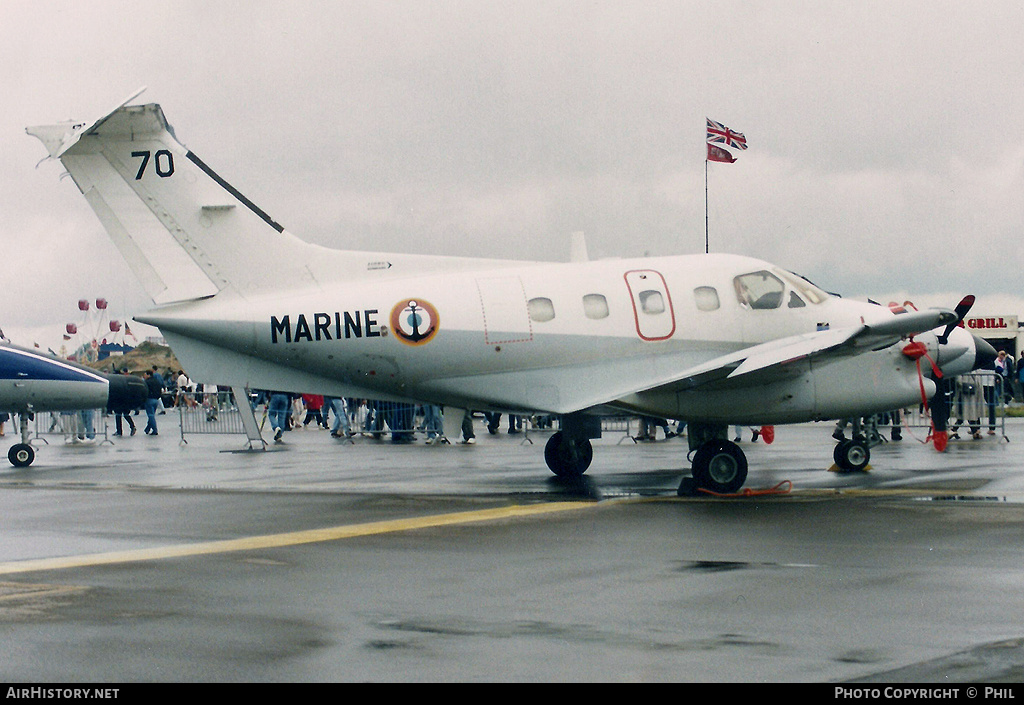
column 837, row 453
column 567, row 460
column 720, row 466
column 21, row 455
column 851, row 456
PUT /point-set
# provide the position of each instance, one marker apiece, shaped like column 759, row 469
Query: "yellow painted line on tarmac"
column 294, row 538
column 913, row 492
column 823, row 493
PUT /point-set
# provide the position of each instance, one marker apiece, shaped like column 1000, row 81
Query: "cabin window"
column 595, row 306
column 706, row 298
column 652, row 301
column 759, row 290
column 541, row 309
column 795, row 301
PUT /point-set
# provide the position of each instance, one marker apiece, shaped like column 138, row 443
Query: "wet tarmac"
column 153, row 560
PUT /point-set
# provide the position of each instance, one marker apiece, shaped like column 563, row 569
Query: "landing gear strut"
column 568, row 457
column 569, row 452
column 22, row 454
column 853, row 455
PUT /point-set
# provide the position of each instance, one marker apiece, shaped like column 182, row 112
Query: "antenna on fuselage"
column 578, row 247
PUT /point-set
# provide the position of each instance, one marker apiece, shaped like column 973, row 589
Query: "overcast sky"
column 886, row 139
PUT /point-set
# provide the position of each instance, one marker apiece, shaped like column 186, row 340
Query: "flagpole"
column 705, row 206
column 717, row 132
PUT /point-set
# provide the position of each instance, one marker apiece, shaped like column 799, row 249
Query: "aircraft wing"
column 777, row 359
column 568, row 389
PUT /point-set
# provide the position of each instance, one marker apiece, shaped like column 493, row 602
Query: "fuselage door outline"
column 653, row 312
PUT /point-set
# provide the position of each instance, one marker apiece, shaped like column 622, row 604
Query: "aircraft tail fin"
column 185, row 232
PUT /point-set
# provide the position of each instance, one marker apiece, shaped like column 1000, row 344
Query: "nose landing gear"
column 851, row 456
column 22, row 454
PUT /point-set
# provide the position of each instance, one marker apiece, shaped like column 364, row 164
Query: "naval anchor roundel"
column 414, row 321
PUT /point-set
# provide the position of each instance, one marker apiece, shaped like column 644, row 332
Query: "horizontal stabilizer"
column 184, row 231
column 61, row 137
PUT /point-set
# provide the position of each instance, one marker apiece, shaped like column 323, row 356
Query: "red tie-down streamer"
column 915, row 350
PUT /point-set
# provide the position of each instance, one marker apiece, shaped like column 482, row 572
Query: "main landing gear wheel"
column 851, row 456
column 21, row 455
column 568, row 457
column 719, row 466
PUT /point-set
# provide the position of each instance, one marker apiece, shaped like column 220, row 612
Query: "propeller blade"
column 961, row 311
column 964, row 306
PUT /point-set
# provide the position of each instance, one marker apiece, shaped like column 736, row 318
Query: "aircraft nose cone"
column 984, row 354
column 127, row 392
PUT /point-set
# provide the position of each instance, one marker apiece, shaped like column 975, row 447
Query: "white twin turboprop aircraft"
column 710, row 339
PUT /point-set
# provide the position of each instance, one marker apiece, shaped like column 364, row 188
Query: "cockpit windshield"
column 759, row 290
column 809, row 292
column 764, row 290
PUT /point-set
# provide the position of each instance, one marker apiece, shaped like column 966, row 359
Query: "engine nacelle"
column 844, row 387
column 872, row 383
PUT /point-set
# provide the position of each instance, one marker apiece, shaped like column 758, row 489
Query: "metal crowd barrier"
column 621, row 424
column 402, row 421
column 979, row 402
column 399, row 422
column 200, row 413
column 91, row 425
column 380, row 420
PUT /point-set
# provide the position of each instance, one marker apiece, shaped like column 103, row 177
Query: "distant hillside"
column 140, row 359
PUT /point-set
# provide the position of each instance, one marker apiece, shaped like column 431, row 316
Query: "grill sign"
column 992, row 323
